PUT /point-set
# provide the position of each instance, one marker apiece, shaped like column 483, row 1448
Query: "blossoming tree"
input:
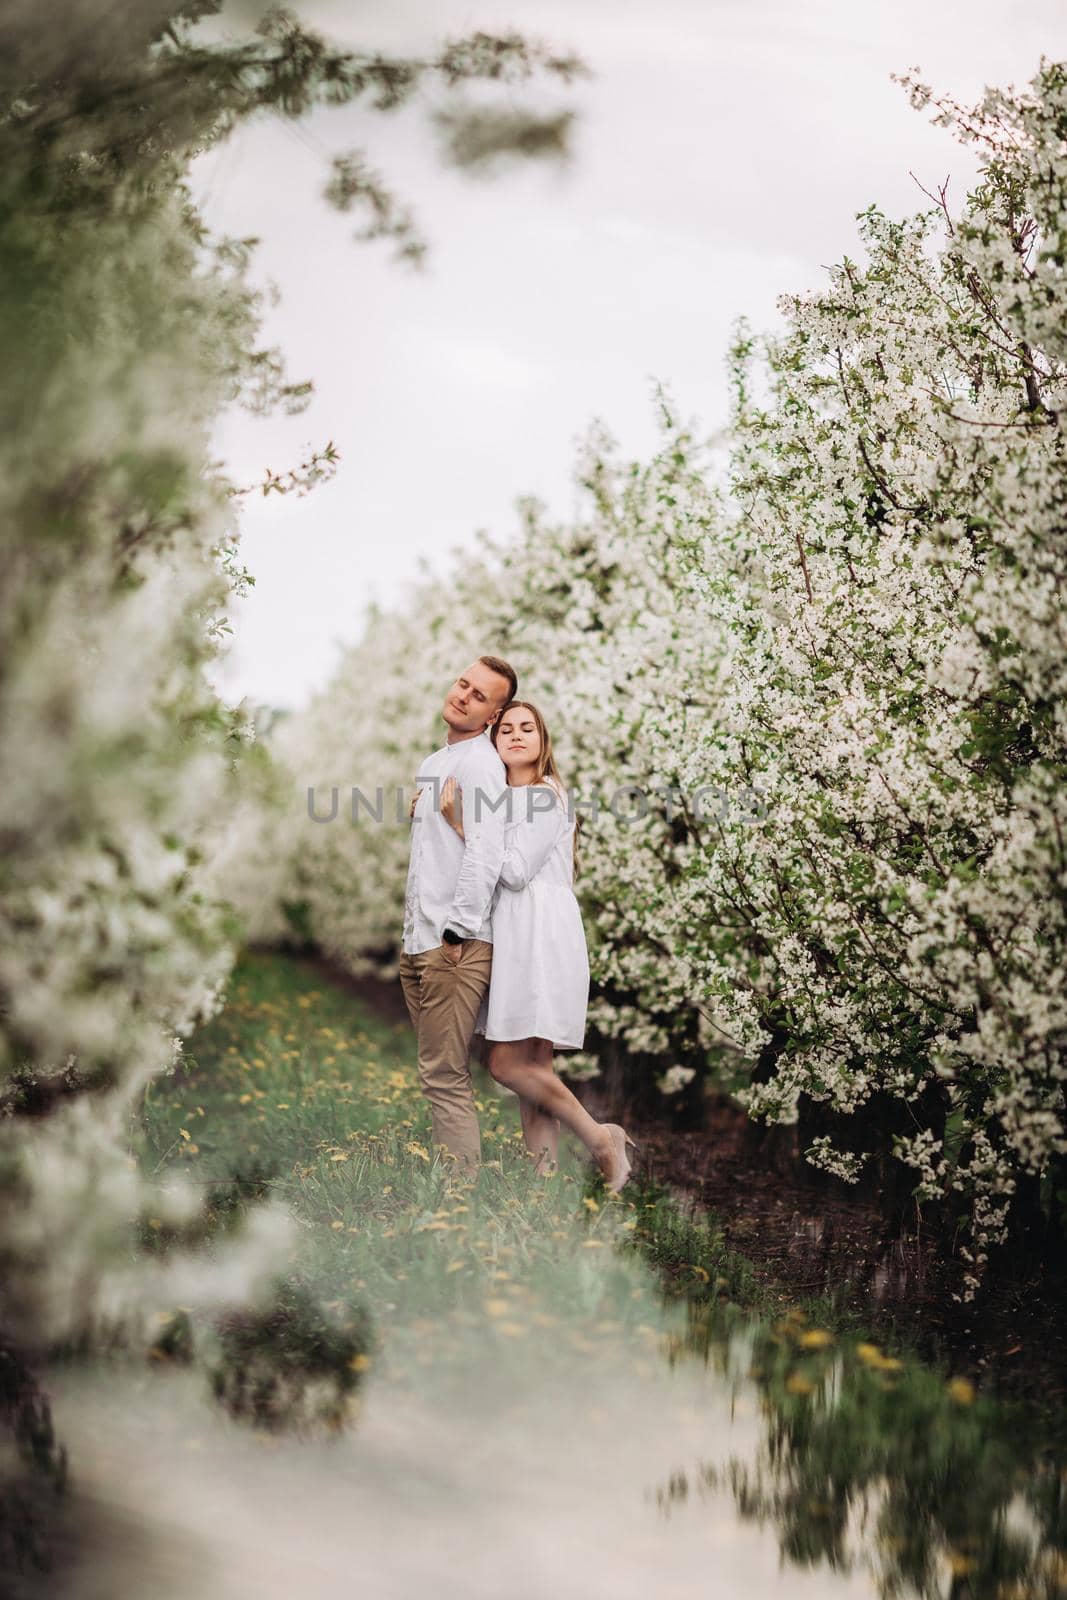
column 899, row 686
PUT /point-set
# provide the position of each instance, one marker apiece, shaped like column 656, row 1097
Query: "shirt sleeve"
column 484, row 800
column 530, row 843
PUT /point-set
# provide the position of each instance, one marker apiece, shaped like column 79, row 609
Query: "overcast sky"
column 722, row 151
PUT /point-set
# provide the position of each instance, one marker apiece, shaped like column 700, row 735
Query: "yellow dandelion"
column 962, row 1391
column 590, row 1203
column 815, row 1339
column 795, row 1384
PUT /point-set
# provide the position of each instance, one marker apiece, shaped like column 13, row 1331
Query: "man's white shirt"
column 451, row 880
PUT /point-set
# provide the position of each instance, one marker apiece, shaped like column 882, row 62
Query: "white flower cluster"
column 674, row 1080
column 844, row 1164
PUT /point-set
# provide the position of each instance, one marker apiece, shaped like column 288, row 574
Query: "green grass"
column 299, row 1091
column 405, row 1269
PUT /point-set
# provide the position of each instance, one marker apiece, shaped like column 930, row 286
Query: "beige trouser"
column 443, row 997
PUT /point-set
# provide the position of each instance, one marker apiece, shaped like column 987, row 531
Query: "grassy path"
column 298, row 1090
column 510, row 1289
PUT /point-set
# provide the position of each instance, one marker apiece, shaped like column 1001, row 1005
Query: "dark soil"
column 814, row 1235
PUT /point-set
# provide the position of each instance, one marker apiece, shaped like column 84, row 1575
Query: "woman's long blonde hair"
column 546, row 761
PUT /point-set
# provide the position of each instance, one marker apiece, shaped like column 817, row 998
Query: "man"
column 448, row 951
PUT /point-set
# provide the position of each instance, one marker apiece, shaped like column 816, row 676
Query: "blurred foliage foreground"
column 441, row 1288
column 128, row 329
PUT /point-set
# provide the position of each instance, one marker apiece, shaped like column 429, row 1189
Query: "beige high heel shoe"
column 623, row 1168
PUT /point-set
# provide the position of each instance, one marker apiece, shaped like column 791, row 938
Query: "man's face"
column 475, row 699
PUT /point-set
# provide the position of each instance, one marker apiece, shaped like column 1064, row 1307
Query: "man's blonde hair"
column 495, row 664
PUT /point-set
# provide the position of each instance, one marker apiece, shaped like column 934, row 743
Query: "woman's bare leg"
column 525, row 1066
column 541, row 1133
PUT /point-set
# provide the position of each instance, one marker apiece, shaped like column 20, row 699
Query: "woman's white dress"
column 539, row 983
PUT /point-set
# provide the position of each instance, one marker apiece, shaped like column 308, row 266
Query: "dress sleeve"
column 530, row 841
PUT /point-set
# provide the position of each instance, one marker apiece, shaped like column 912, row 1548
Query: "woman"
column 539, row 986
